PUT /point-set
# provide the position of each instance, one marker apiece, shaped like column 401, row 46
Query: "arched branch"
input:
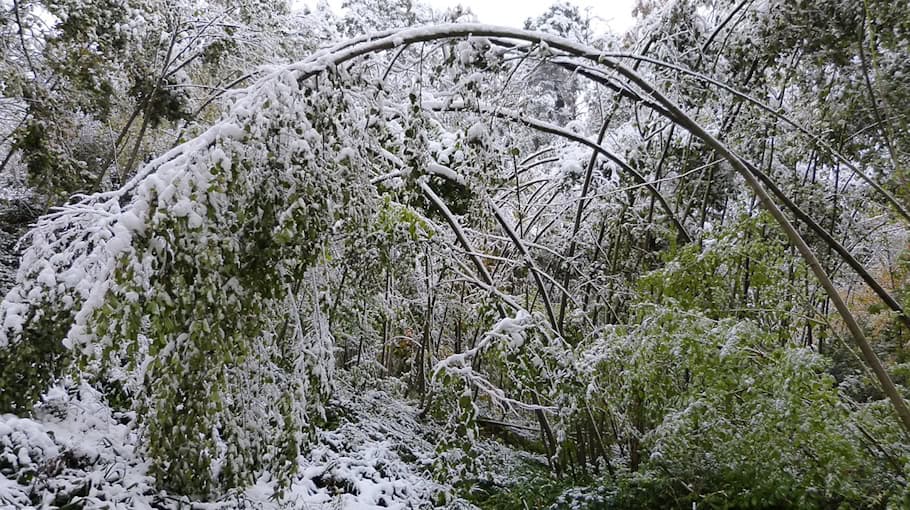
column 529, row 262
column 889, row 198
column 459, row 234
column 869, row 356
column 674, row 114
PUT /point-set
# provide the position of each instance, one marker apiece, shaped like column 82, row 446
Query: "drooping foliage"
column 196, row 302
column 558, row 242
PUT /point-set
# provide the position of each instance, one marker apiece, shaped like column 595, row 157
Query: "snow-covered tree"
column 654, row 272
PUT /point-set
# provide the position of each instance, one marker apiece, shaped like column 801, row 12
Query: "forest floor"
column 374, row 452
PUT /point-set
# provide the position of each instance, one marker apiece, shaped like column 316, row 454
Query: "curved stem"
column 676, row 115
column 869, row 356
column 889, row 198
column 529, row 262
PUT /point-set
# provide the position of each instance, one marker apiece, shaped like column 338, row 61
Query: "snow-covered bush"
column 706, row 405
column 75, row 452
column 189, row 296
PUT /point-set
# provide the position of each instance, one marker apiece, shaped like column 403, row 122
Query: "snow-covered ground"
column 378, row 454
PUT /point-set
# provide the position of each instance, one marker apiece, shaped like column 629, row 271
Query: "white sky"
column 615, row 15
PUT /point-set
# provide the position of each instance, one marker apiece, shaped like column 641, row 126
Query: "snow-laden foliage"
column 102, row 84
column 721, row 402
column 554, row 242
column 373, row 453
column 192, row 301
column 532, row 361
column 74, row 448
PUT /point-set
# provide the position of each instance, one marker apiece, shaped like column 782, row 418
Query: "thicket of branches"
column 679, row 253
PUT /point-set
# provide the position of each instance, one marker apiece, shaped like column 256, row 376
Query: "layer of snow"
column 76, row 449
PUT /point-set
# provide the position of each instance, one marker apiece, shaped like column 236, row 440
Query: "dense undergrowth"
column 456, row 265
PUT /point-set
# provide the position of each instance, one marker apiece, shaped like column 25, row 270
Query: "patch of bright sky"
column 613, row 15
